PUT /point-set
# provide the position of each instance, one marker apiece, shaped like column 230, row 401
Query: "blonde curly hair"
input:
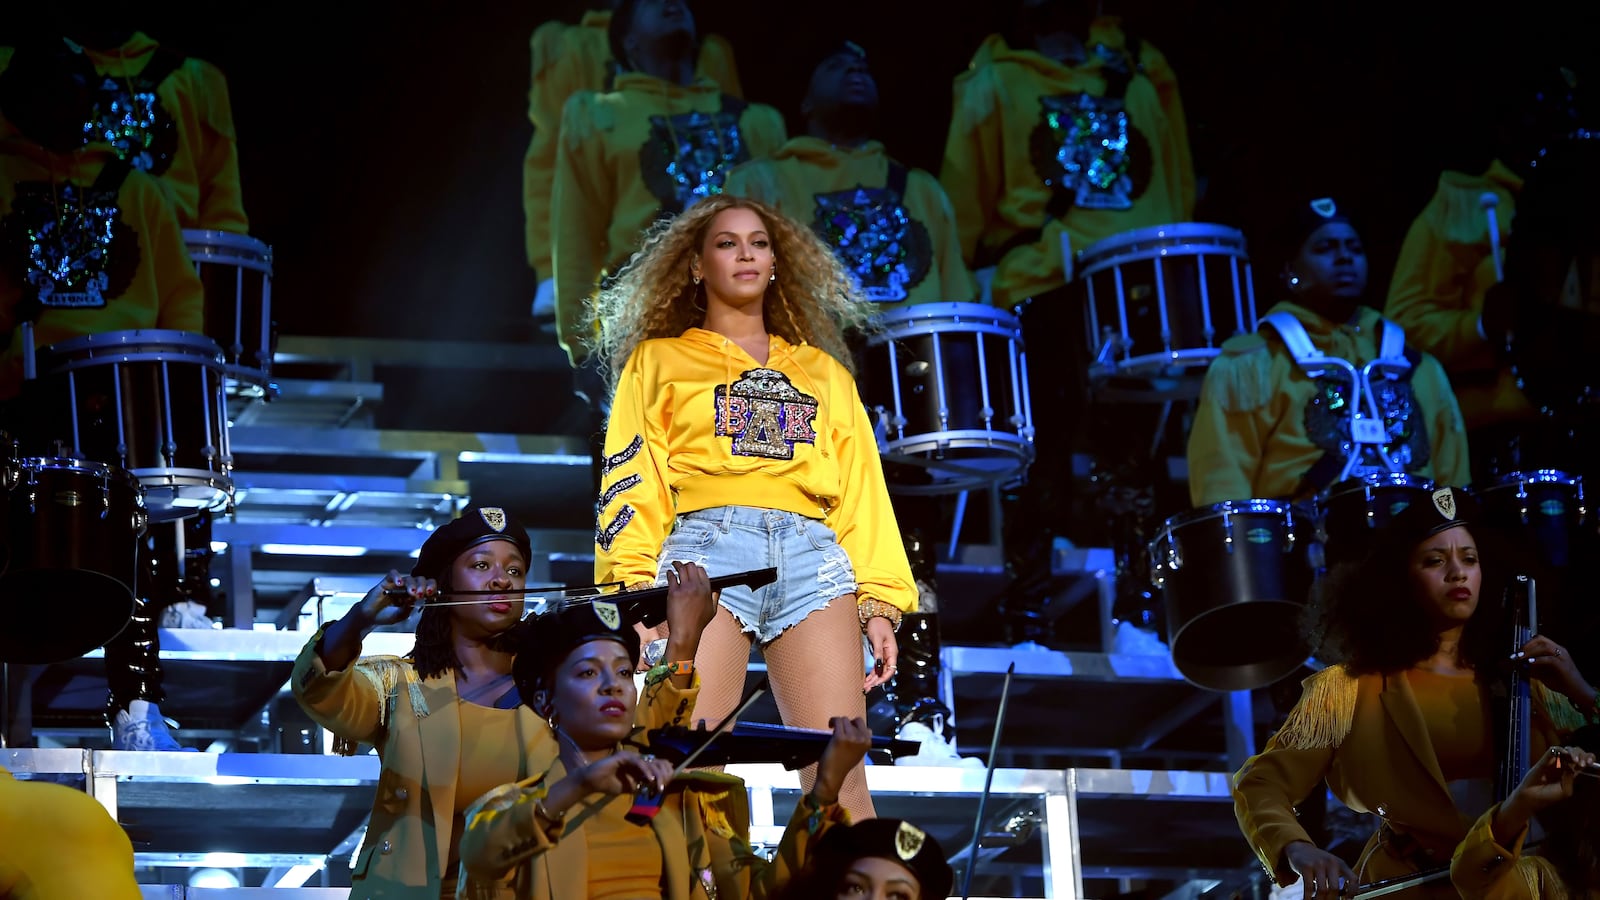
column 814, row 300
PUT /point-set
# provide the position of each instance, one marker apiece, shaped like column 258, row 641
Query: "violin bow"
column 988, row 782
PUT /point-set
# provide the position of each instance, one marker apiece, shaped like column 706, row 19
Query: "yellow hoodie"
column 139, row 278
column 568, row 59
column 646, row 150
column 1035, row 148
column 187, row 142
column 794, row 437
column 904, row 250
column 1439, row 281
column 60, row 845
column 1261, row 424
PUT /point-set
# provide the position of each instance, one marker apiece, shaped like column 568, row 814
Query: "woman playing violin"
column 587, row 825
column 1401, row 725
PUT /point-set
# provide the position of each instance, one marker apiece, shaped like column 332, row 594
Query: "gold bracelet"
column 870, row 609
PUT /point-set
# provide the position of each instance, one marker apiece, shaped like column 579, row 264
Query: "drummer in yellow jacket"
column 1053, row 133
column 1269, row 425
column 87, row 243
column 662, row 139
column 893, row 227
column 567, row 59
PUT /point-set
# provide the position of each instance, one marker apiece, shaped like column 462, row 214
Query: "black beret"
column 475, row 526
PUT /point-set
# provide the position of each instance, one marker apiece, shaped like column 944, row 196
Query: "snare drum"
column 1351, row 512
column 1160, row 301
column 72, row 530
column 150, row 402
column 1543, row 509
column 1234, row 577
column 950, row 383
column 236, row 270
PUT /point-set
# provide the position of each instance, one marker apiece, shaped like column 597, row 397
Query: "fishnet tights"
column 816, row 672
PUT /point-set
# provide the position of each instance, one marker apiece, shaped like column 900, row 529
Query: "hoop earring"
column 774, row 274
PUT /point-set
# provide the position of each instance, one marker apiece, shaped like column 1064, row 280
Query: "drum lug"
column 141, row 521
column 10, row 475
column 1227, row 531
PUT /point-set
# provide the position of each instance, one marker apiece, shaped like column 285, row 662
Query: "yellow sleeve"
column 1483, row 868
column 60, row 842
column 1155, row 66
column 582, row 202
column 973, row 166
column 716, row 63
column 1448, row 436
column 1232, row 423
column 554, row 78
column 1429, row 298
column 182, row 303
column 664, row 704
column 504, row 829
column 806, row 827
column 635, row 508
column 217, row 165
column 955, row 279
column 348, row 702
column 755, row 179
column 763, row 130
column 863, row 520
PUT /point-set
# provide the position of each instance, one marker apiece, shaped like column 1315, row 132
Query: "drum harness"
column 1366, row 428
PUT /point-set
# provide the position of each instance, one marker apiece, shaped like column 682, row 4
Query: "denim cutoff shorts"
column 812, row 568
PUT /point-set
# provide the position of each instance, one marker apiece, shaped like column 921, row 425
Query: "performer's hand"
column 1547, row 783
column 1553, row 665
column 1322, row 874
column 885, row 649
column 390, row 601
column 690, row 608
column 622, row 773
column 850, row 742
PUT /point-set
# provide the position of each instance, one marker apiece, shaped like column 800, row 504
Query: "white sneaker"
column 141, row 727
column 187, row 614
column 934, row 749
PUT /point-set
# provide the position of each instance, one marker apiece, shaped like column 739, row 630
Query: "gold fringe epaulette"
column 387, row 673
column 1326, row 710
column 1566, row 717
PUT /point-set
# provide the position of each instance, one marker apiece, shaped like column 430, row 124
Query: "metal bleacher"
column 1112, row 768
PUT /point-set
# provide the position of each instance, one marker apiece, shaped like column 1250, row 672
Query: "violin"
column 757, row 742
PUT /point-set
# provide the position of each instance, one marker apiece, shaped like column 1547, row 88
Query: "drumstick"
column 1490, row 201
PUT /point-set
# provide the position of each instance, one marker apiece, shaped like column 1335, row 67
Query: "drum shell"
column 1234, row 579
column 1351, row 513
column 236, row 273
column 1543, row 510
column 72, row 531
column 1169, row 296
column 151, row 402
column 949, row 382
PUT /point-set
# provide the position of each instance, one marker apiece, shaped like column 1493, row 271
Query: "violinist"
column 1400, row 723
column 607, row 818
column 447, row 720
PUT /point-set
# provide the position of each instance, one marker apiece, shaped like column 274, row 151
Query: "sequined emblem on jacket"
column 869, row 229
column 765, row 414
column 1088, row 152
column 1327, row 423
column 687, row 156
column 65, row 246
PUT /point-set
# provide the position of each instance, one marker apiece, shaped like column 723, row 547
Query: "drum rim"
column 1091, row 258
column 233, row 240
column 80, row 464
column 156, row 337
column 1215, row 510
column 949, row 308
column 1534, row 476
column 1376, row 480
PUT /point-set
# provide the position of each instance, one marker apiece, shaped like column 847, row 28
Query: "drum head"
column 56, row 614
column 1241, row 647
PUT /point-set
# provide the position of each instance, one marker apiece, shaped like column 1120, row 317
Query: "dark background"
column 381, row 146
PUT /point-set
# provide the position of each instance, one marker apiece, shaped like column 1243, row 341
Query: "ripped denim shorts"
column 812, row 568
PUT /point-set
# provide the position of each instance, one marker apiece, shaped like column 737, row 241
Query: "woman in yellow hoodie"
column 737, row 440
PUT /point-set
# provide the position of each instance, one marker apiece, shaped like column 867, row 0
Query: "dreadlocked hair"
column 435, row 652
column 814, row 300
